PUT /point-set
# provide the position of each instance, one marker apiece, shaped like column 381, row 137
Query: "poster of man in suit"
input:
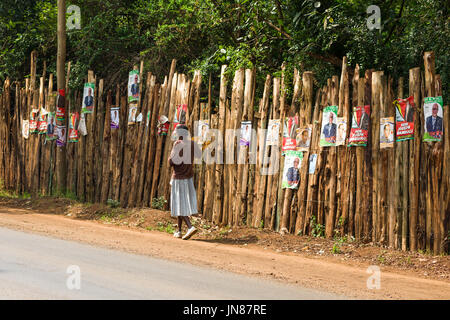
column 433, row 115
column 329, row 126
column 50, row 127
column 42, row 121
column 404, row 118
column 180, row 115
column 291, row 172
column 359, row 131
column 88, row 98
column 290, row 133
column 133, row 86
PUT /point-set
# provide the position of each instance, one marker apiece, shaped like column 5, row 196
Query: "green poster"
column 433, row 115
column 329, row 126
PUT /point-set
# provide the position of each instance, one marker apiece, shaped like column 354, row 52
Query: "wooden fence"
column 397, row 197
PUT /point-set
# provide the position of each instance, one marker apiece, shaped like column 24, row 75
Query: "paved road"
column 35, row 267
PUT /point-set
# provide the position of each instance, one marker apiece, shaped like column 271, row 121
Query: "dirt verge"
column 306, row 261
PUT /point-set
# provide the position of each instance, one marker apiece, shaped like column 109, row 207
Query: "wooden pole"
column 219, row 188
column 61, row 165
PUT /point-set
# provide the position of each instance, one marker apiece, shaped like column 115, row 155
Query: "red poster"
column 404, row 118
column 290, row 133
column 360, row 126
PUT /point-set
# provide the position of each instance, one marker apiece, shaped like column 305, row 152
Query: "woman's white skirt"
column 183, row 198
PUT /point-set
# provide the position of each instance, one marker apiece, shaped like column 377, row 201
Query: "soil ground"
column 303, row 260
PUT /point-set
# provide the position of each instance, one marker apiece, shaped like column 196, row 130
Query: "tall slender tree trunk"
column 61, row 83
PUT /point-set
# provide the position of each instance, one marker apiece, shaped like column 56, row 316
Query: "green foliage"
column 165, row 227
column 113, row 203
column 116, row 34
column 317, row 230
column 159, row 203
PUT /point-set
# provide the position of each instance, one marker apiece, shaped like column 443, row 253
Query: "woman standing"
column 183, row 198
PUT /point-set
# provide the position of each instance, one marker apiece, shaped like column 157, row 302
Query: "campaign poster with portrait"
column 73, row 132
column 404, row 118
column 359, row 132
column 132, row 112
column 88, row 98
column 387, row 132
column 163, row 125
column 180, row 115
column 115, row 119
column 42, row 121
column 203, row 132
column 61, row 136
column 433, row 115
column 133, row 85
column 82, row 125
column 51, row 125
column 34, row 120
column 26, row 128
column 291, row 171
column 329, row 126
column 303, row 138
column 290, row 133
column 273, row 132
column 341, row 134
column 60, row 106
column 246, row 133
column 312, row 163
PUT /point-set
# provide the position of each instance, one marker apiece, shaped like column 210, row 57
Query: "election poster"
column 26, row 128
column 341, row 131
column 273, row 132
column 433, row 115
column 180, row 115
column 132, row 114
column 82, row 125
column 359, row 131
column 387, row 132
column 404, row 118
column 329, row 126
column 133, row 86
column 290, row 133
column 115, row 120
column 88, row 98
column 291, row 172
column 73, row 133
column 42, row 121
column 246, row 133
column 312, row 163
column 303, row 138
column 163, row 125
column 60, row 106
column 203, row 132
column 51, row 124
column 34, row 120
column 61, row 136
